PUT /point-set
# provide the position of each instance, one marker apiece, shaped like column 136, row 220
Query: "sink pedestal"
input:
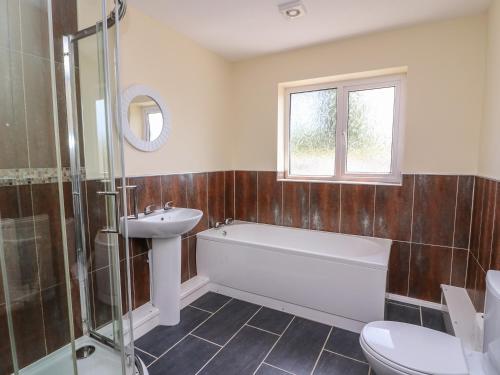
column 166, row 279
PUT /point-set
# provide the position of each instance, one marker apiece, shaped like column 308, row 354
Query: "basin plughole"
column 166, row 229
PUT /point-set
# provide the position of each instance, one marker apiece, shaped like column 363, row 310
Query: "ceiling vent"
column 292, row 10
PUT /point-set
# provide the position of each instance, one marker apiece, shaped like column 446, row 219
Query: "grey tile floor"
column 223, row 336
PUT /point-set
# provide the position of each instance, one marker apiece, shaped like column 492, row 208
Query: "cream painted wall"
column 194, row 83
column 489, row 161
column 446, row 63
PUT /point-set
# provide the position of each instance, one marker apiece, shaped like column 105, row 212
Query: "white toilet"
column 398, row 348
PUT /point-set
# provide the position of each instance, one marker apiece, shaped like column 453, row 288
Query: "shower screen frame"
column 108, row 64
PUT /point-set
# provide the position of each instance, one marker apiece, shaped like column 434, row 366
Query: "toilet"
column 399, row 348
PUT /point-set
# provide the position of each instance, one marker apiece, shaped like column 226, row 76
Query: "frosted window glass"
column 312, row 132
column 369, row 130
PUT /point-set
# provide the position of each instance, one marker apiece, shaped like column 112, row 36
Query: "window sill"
column 398, row 182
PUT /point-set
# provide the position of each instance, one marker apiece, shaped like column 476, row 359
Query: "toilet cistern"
column 165, row 228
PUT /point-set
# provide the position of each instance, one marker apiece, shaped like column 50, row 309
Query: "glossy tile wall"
column 31, row 223
column 428, row 217
column 485, row 239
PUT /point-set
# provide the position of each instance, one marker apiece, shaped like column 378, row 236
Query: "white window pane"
column 312, row 132
column 369, row 130
column 155, row 125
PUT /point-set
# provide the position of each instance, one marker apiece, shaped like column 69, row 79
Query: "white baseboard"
column 414, row 301
column 146, row 317
column 301, row 311
column 193, row 289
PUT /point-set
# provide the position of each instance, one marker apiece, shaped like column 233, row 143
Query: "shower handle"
column 115, row 195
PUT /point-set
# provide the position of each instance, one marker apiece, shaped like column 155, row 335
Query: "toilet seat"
column 414, row 350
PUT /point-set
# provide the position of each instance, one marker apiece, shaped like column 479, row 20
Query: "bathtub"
column 334, row 278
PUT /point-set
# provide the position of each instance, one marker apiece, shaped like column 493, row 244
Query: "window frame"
column 146, row 111
column 343, row 87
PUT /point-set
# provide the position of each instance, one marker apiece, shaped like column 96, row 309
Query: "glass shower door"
column 62, row 270
column 97, row 171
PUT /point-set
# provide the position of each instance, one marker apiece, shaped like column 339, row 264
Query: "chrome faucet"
column 220, row 224
column 168, row 206
column 149, row 209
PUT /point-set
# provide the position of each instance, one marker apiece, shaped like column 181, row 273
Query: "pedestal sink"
column 165, row 228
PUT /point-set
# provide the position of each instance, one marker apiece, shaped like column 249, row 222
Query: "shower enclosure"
column 64, row 270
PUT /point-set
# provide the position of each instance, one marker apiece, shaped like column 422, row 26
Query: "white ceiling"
column 239, row 29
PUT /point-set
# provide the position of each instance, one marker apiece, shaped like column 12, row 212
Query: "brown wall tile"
column 184, row 260
column 357, row 209
column 77, row 308
column 216, row 197
column 486, row 235
column 296, row 204
column 141, row 282
column 480, row 289
column 173, row 188
column 470, row 281
column 399, row 267
column 27, row 319
column 477, row 215
column 229, row 192
column 5, row 351
column 100, row 299
column 124, row 286
column 193, row 271
column 270, row 195
column 434, row 211
column 55, row 317
column 197, row 198
column 459, row 267
column 139, row 246
column 463, row 212
column 430, row 267
column 495, row 252
column 393, row 210
column 325, row 207
column 149, row 190
column 49, row 242
column 245, row 187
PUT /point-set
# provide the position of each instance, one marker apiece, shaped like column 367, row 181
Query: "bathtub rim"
column 207, row 235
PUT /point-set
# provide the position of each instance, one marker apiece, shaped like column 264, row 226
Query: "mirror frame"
column 127, row 97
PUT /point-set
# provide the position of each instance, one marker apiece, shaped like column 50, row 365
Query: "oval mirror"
column 145, row 118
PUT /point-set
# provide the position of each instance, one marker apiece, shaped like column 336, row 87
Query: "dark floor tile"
column 161, row 338
column 186, row 358
column 345, row 343
column 271, row 320
column 333, row 364
column 243, row 354
column 400, row 313
column 211, row 301
column 432, row 318
column 299, row 347
column 226, row 322
column 269, row 370
column 146, row 358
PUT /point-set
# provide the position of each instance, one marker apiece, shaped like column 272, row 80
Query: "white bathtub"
column 339, row 279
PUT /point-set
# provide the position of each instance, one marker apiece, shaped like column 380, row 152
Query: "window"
column 344, row 131
column 153, row 122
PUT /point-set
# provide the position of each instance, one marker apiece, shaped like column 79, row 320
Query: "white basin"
column 165, row 228
column 164, row 224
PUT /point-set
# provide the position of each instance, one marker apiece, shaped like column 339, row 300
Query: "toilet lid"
column 417, row 348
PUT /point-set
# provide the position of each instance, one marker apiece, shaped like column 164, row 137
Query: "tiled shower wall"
column 32, row 239
column 485, row 240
